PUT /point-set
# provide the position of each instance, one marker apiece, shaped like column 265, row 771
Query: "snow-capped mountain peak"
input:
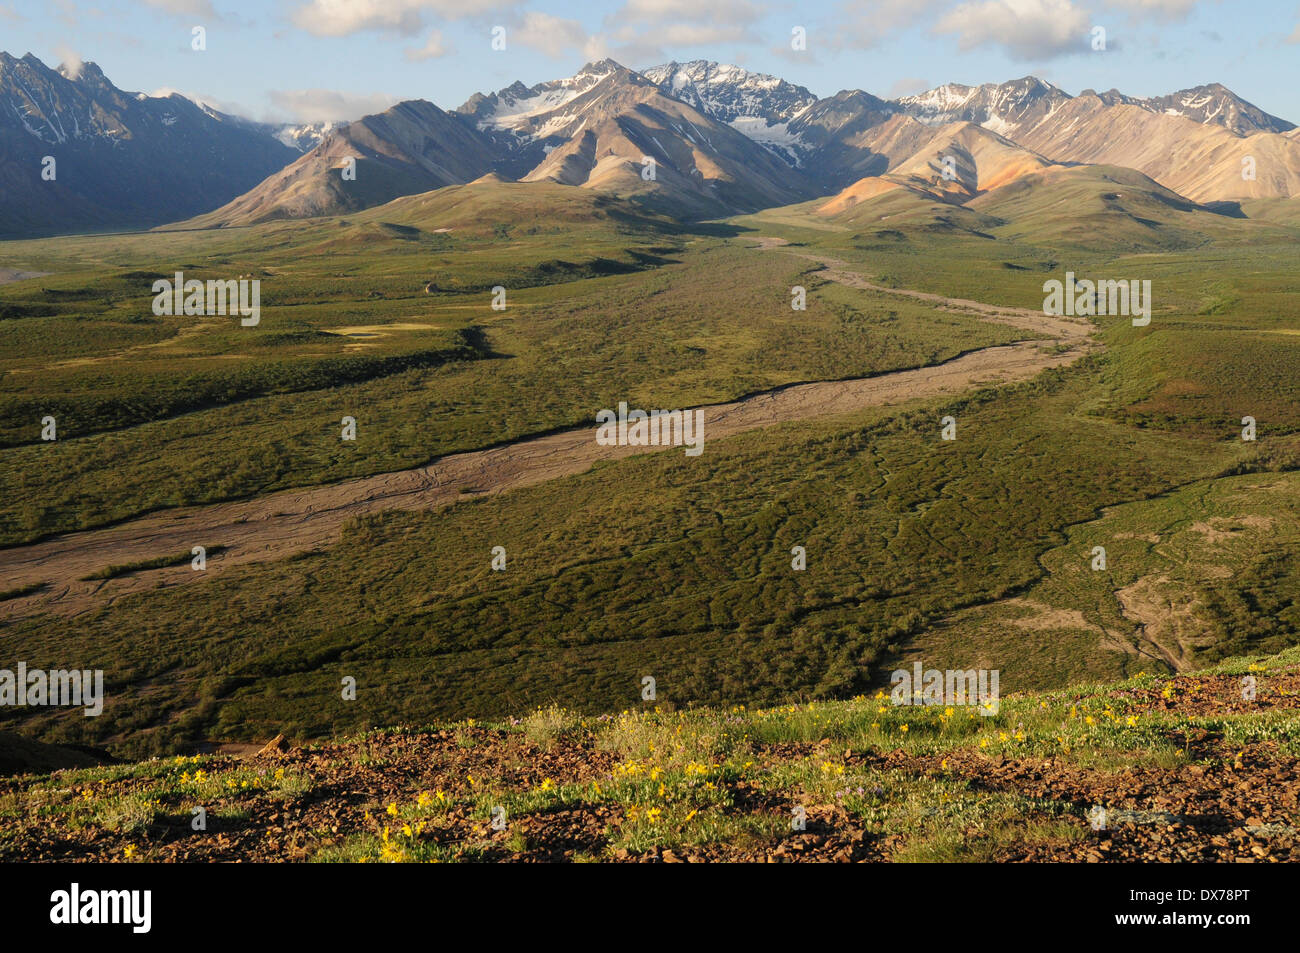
column 511, row 108
column 757, row 104
column 1211, row 104
column 191, row 156
column 304, row 136
column 1001, row 107
column 726, row 93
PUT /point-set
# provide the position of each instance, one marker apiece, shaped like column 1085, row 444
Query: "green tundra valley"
column 988, row 518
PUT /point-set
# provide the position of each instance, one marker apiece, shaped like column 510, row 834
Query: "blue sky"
column 314, row 59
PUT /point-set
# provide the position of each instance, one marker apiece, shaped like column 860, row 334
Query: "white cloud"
column 555, row 36
column 638, row 32
column 687, row 11
column 704, row 34
column 322, row 105
column 407, row 17
column 1167, row 10
column 1019, row 24
column 641, row 31
column 70, row 58
column 220, row 105
column 432, row 49
column 188, row 8
column 1023, row 29
column 908, row 86
column 785, row 52
column 862, row 26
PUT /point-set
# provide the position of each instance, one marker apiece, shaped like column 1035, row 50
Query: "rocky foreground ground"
column 1157, row 768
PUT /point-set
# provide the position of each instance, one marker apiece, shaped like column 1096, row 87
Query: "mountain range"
column 121, row 160
column 697, row 140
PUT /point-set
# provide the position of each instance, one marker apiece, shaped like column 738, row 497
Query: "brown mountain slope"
column 1084, row 206
column 1201, row 162
column 829, row 132
column 953, row 162
column 891, row 142
column 978, row 158
column 702, row 167
column 860, row 191
column 412, row 147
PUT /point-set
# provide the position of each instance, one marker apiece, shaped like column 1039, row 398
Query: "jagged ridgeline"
column 696, row 140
